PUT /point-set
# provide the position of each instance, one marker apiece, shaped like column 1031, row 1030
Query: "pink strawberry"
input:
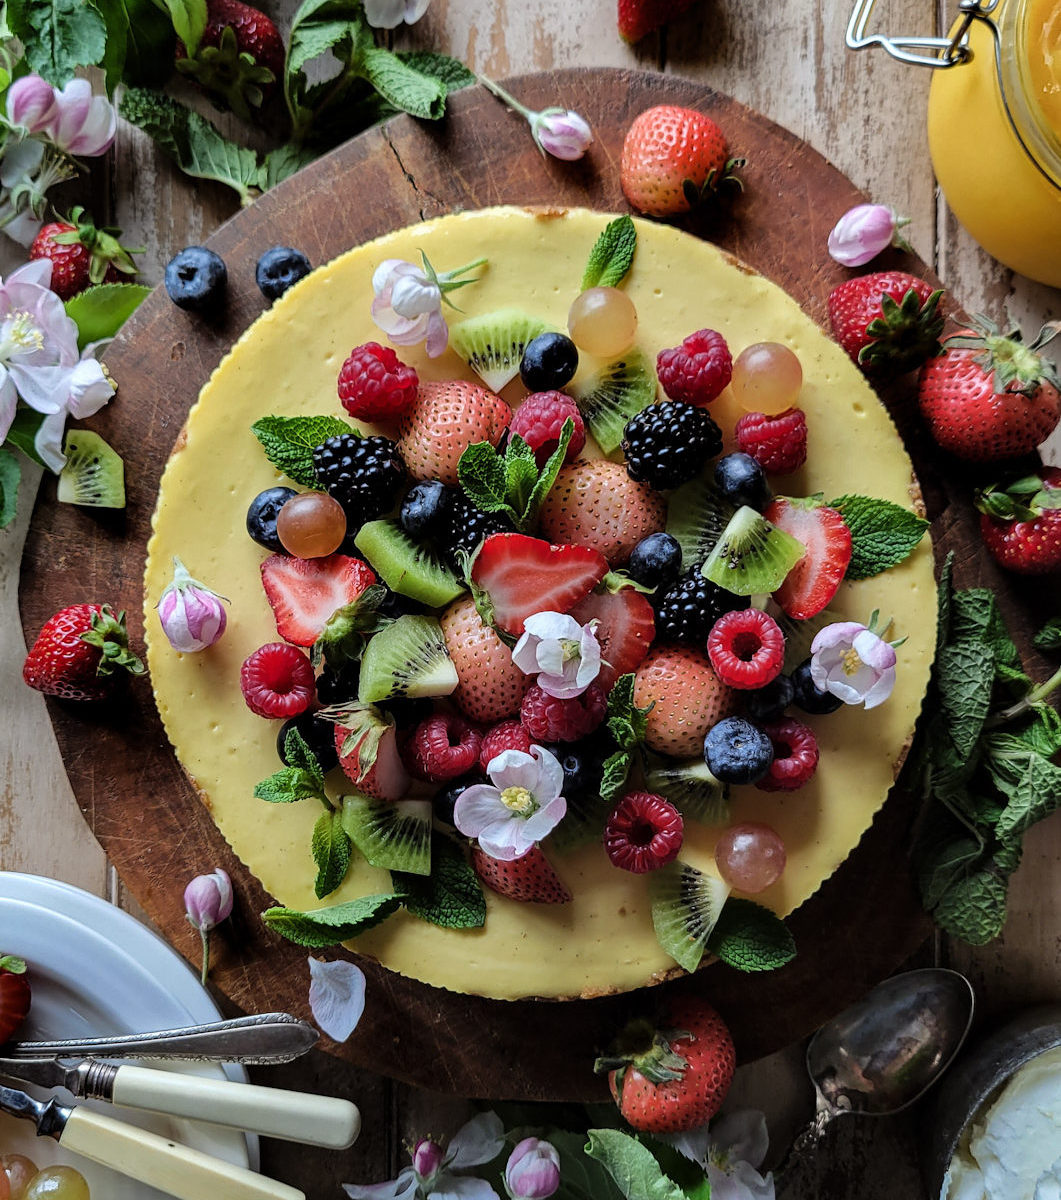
column 368, row 751
column 627, row 625
column 814, row 580
column 529, row 878
column 491, row 685
column 444, row 420
column 687, row 698
column 305, row 592
column 596, row 503
column 887, row 321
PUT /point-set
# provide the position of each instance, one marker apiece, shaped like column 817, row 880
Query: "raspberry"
column 697, row 370
column 539, row 420
column 643, row 832
column 778, row 444
column 508, row 735
column 746, row 648
column 795, row 756
column 375, row 385
column 548, row 719
column 442, row 747
column 667, row 444
column 277, row 681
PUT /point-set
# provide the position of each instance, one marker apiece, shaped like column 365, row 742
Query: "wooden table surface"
column 866, row 114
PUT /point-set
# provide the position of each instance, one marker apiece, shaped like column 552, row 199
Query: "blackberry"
column 338, row 686
column 318, row 734
column 364, row 474
column 688, row 611
column 668, row 444
column 462, row 527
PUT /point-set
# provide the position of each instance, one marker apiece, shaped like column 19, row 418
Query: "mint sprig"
column 627, row 724
column 883, row 534
column 303, row 779
column 58, row 35
column 612, row 254
column 289, row 443
column 451, row 896
column 511, row 483
column 331, row 847
column 750, row 937
column 322, row 927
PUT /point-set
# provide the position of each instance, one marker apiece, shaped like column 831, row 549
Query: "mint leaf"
column 627, row 723
column 1049, row 637
column 943, row 601
column 481, row 472
column 973, row 908
column 300, row 756
column 511, row 482
column 289, row 443
column 882, row 533
column 942, row 865
column 23, row 432
column 10, row 474
column 451, row 896
column 285, row 160
column 328, row 926
column 189, row 22
column 402, row 86
column 1035, row 794
column 966, row 673
column 749, row 937
column 616, row 769
column 58, row 35
column 975, row 616
column 331, row 852
column 449, row 71
column 631, row 1165
column 140, row 43
column 549, row 473
column 300, row 780
column 521, row 474
column 100, row 311
column 612, row 254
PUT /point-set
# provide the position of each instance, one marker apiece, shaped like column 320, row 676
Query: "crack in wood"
column 418, row 191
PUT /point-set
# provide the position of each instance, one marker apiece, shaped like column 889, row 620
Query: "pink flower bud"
column 561, row 133
column 192, row 616
column 533, row 1170
column 427, row 1158
column 208, row 899
column 86, row 124
column 31, row 103
column 863, row 232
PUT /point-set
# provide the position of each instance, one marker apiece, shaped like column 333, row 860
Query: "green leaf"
column 142, row 52
column 285, row 160
column 189, row 22
column 331, row 852
column 581, row 1177
column 23, row 432
column 943, row 602
column 548, row 474
column 627, row 723
column 58, row 35
column 193, row 143
column 482, row 474
column 751, row 937
column 975, row 616
column 328, row 926
column 1049, row 637
column 301, row 779
column 400, row 85
column 942, row 864
column 10, row 474
column 973, row 908
column 1036, row 794
column 451, row 896
column 631, row 1165
column 616, row 769
column 289, row 443
column 966, row 673
column 449, row 71
column 883, row 534
column 612, row 254
column 100, row 311
column 521, row 475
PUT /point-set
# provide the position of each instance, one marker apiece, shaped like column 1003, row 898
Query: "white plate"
column 96, row 970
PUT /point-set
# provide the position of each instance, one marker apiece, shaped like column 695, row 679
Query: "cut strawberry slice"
column 814, row 580
column 305, row 592
column 528, row 878
column 524, row 575
column 627, row 627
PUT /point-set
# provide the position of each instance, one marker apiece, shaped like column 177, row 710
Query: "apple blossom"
column 336, row 996
column 207, row 902
column 730, row 1150
column 388, row 14
column 533, row 1170
column 564, row 654
column 408, row 301
column 31, row 103
column 864, row 231
column 853, row 663
column 85, row 124
column 192, row 616
column 520, row 806
column 556, row 131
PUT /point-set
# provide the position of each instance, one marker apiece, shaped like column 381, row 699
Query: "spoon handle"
column 805, row 1142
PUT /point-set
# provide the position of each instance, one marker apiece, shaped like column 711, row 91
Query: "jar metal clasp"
column 936, row 52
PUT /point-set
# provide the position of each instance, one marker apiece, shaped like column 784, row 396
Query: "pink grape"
column 750, row 857
column 767, row 378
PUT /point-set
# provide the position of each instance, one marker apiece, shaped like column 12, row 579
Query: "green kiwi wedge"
column 493, row 344
column 752, row 556
column 690, row 787
column 406, row 566
column 696, row 516
column 407, row 658
column 686, row 905
column 614, row 394
column 94, row 474
column 392, row 834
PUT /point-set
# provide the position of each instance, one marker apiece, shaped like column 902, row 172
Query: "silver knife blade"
column 46, row 1072
column 49, row 1117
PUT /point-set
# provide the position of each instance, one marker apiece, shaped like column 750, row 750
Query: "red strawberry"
column 686, row 696
column 887, row 321
column 305, row 592
column 638, row 18
column 444, row 420
column 528, row 878
column 81, row 254
column 814, row 580
column 240, row 56
column 989, row 396
column 1021, row 525
column 673, row 158
column 523, row 575
column 368, row 751
column 666, row 1080
column 627, row 625
column 79, row 654
column 491, row 685
column 596, row 503
column 14, row 996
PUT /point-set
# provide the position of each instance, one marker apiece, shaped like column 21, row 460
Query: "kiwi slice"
column 94, row 474
column 392, row 834
column 614, row 394
column 686, row 905
column 406, row 566
column 493, row 344
column 406, row 659
column 752, row 556
column 696, row 516
column 691, row 787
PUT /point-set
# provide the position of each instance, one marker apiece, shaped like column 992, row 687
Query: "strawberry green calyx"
column 1017, row 366
column 229, row 73
column 12, row 964
column 648, row 1051
column 715, row 185
column 343, row 637
column 366, row 726
column 102, row 243
column 109, row 635
column 1023, row 500
column 905, row 334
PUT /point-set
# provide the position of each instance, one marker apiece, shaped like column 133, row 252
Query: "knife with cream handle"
column 154, row 1161
column 293, row 1116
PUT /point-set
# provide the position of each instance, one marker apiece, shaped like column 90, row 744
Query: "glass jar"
column 994, row 124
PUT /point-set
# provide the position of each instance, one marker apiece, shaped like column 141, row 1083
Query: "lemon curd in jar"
column 1007, row 195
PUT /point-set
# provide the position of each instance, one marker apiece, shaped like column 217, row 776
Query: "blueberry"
column 807, row 695
column 196, row 278
column 656, row 561
column 423, row 509
column 769, row 702
column 443, row 801
column 736, row 751
column 741, row 480
column 317, row 733
column 549, row 362
column 262, row 513
column 338, row 686
column 278, row 269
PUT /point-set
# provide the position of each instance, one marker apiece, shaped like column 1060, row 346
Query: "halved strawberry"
column 814, row 580
column 524, row 575
column 305, row 592
column 14, row 995
column 528, row 878
column 625, row 632
column 368, row 751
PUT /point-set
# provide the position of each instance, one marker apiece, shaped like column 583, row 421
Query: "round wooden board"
column 855, row 930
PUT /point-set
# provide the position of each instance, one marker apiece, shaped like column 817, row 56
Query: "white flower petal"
column 437, row 335
column 462, row 1187
column 550, row 775
column 874, row 651
column 477, row 808
column 415, row 9
column 415, row 296
column 402, row 1188
column 881, row 690
column 548, row 624
column 514, row 768
column 8, row 402
column 384, row 14
column 741, row 1134
column 48, row 441
column 478, row 1141
column 37, row 271
column 524, row 654
column 336, row 996
column 544, row 821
